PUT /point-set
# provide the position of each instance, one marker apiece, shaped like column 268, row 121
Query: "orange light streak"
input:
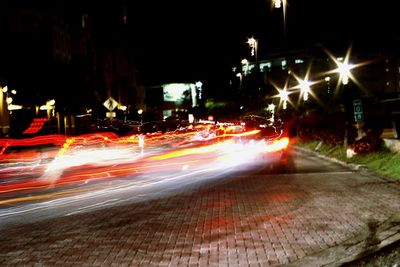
column 277, row 145
column 41, row 197
column 191, row 151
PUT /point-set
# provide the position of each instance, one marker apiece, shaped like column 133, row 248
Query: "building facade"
column 73, row 53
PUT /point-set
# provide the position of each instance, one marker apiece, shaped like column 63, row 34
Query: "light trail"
column 84, row 164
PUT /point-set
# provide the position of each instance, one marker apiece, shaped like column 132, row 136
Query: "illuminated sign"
column 176, row 92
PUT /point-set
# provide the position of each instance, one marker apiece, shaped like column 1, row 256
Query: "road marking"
column 325, row 173
column 86, row 208
column 299, row 174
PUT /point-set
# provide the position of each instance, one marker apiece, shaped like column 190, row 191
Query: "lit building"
column 376, row 80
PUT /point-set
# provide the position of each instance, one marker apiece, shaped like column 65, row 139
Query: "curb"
column 352, row 166
column 359, row 248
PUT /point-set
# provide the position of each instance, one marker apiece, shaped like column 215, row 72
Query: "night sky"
column 193, row 40
column 201, row 39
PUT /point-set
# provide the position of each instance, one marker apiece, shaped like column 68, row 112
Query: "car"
column 276, row 153
column 28, row 150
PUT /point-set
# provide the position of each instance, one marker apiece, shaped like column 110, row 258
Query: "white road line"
column 299, row 174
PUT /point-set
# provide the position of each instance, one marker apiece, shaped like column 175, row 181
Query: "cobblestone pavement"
column 304, row 218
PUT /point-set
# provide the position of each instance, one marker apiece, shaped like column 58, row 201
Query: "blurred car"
column 28, row 150
column 120, row 127
column 163, row 126
column 276, row 150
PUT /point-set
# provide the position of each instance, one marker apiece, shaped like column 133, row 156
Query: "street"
column 313, row 213
column 208, row 133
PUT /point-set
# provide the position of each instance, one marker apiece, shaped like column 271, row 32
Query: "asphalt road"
column 312, row 213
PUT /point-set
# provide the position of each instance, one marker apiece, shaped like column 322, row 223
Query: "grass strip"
column 383, row 162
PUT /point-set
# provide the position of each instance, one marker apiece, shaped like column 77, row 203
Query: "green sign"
column 358, row 111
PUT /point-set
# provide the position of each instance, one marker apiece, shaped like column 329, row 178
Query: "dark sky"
column 190, row 39
column 179, row 40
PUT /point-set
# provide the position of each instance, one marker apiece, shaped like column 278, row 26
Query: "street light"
column 51, row 102
column 245, row 66
column 304, row 85
column 327, row 80
column 140, row 113
column 253, row 43
column 199, row 88
column 344, row 71
column 239, row 75
column 9, row 100
column 49, row 107
column 277, row 3
column 284, row 97
column 343, row 68
column 305, row 88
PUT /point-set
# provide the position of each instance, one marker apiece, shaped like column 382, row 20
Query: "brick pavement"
column 302, row 219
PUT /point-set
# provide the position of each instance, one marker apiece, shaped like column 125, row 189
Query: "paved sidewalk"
column 293, row 219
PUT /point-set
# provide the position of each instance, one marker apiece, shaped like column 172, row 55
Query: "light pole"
column 255, row 79
column 344, row 71
column 240, row 76
column 245, row 66
column 4, row 112
column 343, row 68
column 304, row 85
column 49, row 107
column 140, row 112
column 328, row 86
column 284, row 97
column 253, row 43
column 271, row 108
column 278, row 4
column 305, row 89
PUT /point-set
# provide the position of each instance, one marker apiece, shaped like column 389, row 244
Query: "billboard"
column 176, row 92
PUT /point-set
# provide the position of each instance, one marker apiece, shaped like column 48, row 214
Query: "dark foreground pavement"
column 388, row 256
column 317, row 214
